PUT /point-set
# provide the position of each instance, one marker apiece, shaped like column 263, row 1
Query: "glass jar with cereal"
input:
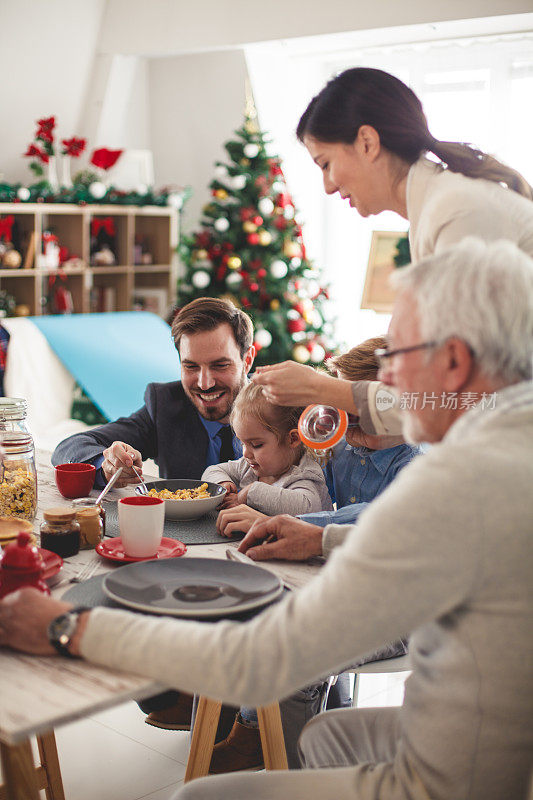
column 18, row 487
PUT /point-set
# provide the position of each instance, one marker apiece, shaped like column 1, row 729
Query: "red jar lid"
column 22, row 555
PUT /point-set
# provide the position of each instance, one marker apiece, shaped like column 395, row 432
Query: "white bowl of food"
column 185, row 499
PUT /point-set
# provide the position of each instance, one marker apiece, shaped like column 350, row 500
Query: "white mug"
column 141, row 520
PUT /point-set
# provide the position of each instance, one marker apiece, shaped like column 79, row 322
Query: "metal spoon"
column 145, row 487
column 108, row 485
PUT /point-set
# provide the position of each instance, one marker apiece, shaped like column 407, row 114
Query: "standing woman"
column 367, row 132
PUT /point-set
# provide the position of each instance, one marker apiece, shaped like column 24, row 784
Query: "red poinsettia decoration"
column 47, row 124
column 104, row 158
column 73, row 147
column 34, row 152
column 45, row 132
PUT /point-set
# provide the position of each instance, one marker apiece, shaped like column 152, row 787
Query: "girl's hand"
column 238, row 518
column 242, row 496
column 230, row 499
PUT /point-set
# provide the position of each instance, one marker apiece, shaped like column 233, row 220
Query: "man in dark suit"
column 183, row 425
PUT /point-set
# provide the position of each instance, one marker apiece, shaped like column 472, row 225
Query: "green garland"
column 79, row 194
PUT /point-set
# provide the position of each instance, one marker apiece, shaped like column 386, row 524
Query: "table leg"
column 202, row 738
column 19, row 771
column 272, row 741
column 46, row 743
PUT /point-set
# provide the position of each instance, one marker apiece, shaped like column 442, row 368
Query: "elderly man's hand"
column 24, row 619
column 288, row 383
column 239, row 518
column 282, row 537
column 122, row 455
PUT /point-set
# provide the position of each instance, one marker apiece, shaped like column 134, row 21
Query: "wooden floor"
column 116, row 756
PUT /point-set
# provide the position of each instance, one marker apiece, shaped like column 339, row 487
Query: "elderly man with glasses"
column 444, row 554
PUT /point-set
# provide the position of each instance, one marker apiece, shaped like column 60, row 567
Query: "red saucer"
column 113, row 549
column 52, row 563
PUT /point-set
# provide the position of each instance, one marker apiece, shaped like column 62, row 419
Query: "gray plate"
column 192, row 587
column 187, row 509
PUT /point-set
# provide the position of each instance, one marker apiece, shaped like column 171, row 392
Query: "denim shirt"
column 355, row 476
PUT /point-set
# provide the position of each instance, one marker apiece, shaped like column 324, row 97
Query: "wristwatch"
column 62, row 629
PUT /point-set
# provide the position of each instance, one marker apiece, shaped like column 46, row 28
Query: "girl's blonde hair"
column 280, row 420
column 359, row 363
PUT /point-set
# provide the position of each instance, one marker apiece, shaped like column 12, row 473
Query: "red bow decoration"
column 33, row 151
column 105, row 158
column 6, row 224
column 103, row 223
column 73, row 147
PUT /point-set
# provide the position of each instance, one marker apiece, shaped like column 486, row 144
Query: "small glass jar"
column 90, row 522
column 60, row 532
column 90, row 502
column 18, row 487
column 13, row 411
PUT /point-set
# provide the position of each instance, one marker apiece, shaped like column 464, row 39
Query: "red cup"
column 75, row 480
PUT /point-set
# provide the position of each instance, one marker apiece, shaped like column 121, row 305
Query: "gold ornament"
column 200, row 255
column 301, row 354
column 274, row 304
column 234, row 262
column 307, row 310
column 11, row 259
column 221, row 194
column 244, row 162
column 291, row 249
column 265, row 238
column 209, row 208
column 249, row 227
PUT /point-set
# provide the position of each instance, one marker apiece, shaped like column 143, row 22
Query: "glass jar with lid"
column 60, row 533
column 18, row 487
column 89, row 517
column 13, row 412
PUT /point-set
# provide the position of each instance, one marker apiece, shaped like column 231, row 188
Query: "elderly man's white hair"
column 482, row 293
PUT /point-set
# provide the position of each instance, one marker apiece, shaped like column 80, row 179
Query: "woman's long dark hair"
column 365, row 96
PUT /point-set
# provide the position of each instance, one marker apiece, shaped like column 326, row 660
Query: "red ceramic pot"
column 75, row 480
column 21, row 565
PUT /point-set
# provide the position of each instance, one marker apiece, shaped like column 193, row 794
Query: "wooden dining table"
column 39, row 694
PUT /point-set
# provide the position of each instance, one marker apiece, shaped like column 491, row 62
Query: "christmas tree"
column 250, row 250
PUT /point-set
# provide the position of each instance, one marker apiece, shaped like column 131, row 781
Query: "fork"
column 86, row 572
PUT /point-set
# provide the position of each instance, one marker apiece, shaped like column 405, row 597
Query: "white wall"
column 196, row 102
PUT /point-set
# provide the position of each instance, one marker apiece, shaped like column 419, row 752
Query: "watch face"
column 62, row 628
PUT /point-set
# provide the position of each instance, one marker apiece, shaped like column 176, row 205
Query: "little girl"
column 275, row 475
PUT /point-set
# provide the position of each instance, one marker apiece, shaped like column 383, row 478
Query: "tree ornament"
column 265, row 206
column 221, row 224
column 317, row 353
column 265, row 238
column 200, row 255
column 254, row 287
column 253, row 238
column 23, row 194
column 274, row 304
column 278, row 269
column 249, row 227
column 221, row 172
column 221, row 194
column 288, row 212
column 280, row 223
column 244, row 162
column 263, row 338
column 175, row 200
column 234, row 262
column 238, row 182
column 257, row 220
column 97, row 189
column 291, row 249
column 246, row 213
column 261, row 273
column 296, row 325
column 201, row 279
column 296, row 262
column 251, row 150
column 301, row 354
column 278, row 187
column 233, row 279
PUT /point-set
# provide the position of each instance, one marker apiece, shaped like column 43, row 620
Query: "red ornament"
column 258, row 347
column 215, row 251
column 280, row 223
column 227, row 246
column 203, row 239
column 254, row 287
column 105, row 158
column 275, row 168
column 246, row 214
column 299, row 308
column 296, row 325
column 310, row 344
column 253, row 238
column 73, row 147
column 246, row 303
column 221, row 271
column 261, row 273
column 255, row 263
column 257, row 220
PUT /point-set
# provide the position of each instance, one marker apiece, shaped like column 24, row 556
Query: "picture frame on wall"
column 154, row 300
column 378, row 295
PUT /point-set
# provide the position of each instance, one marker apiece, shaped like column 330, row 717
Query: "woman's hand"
column 239, row 518
column 282, row 537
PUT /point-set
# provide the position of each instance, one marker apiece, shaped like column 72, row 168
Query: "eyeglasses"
column 383, row 353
